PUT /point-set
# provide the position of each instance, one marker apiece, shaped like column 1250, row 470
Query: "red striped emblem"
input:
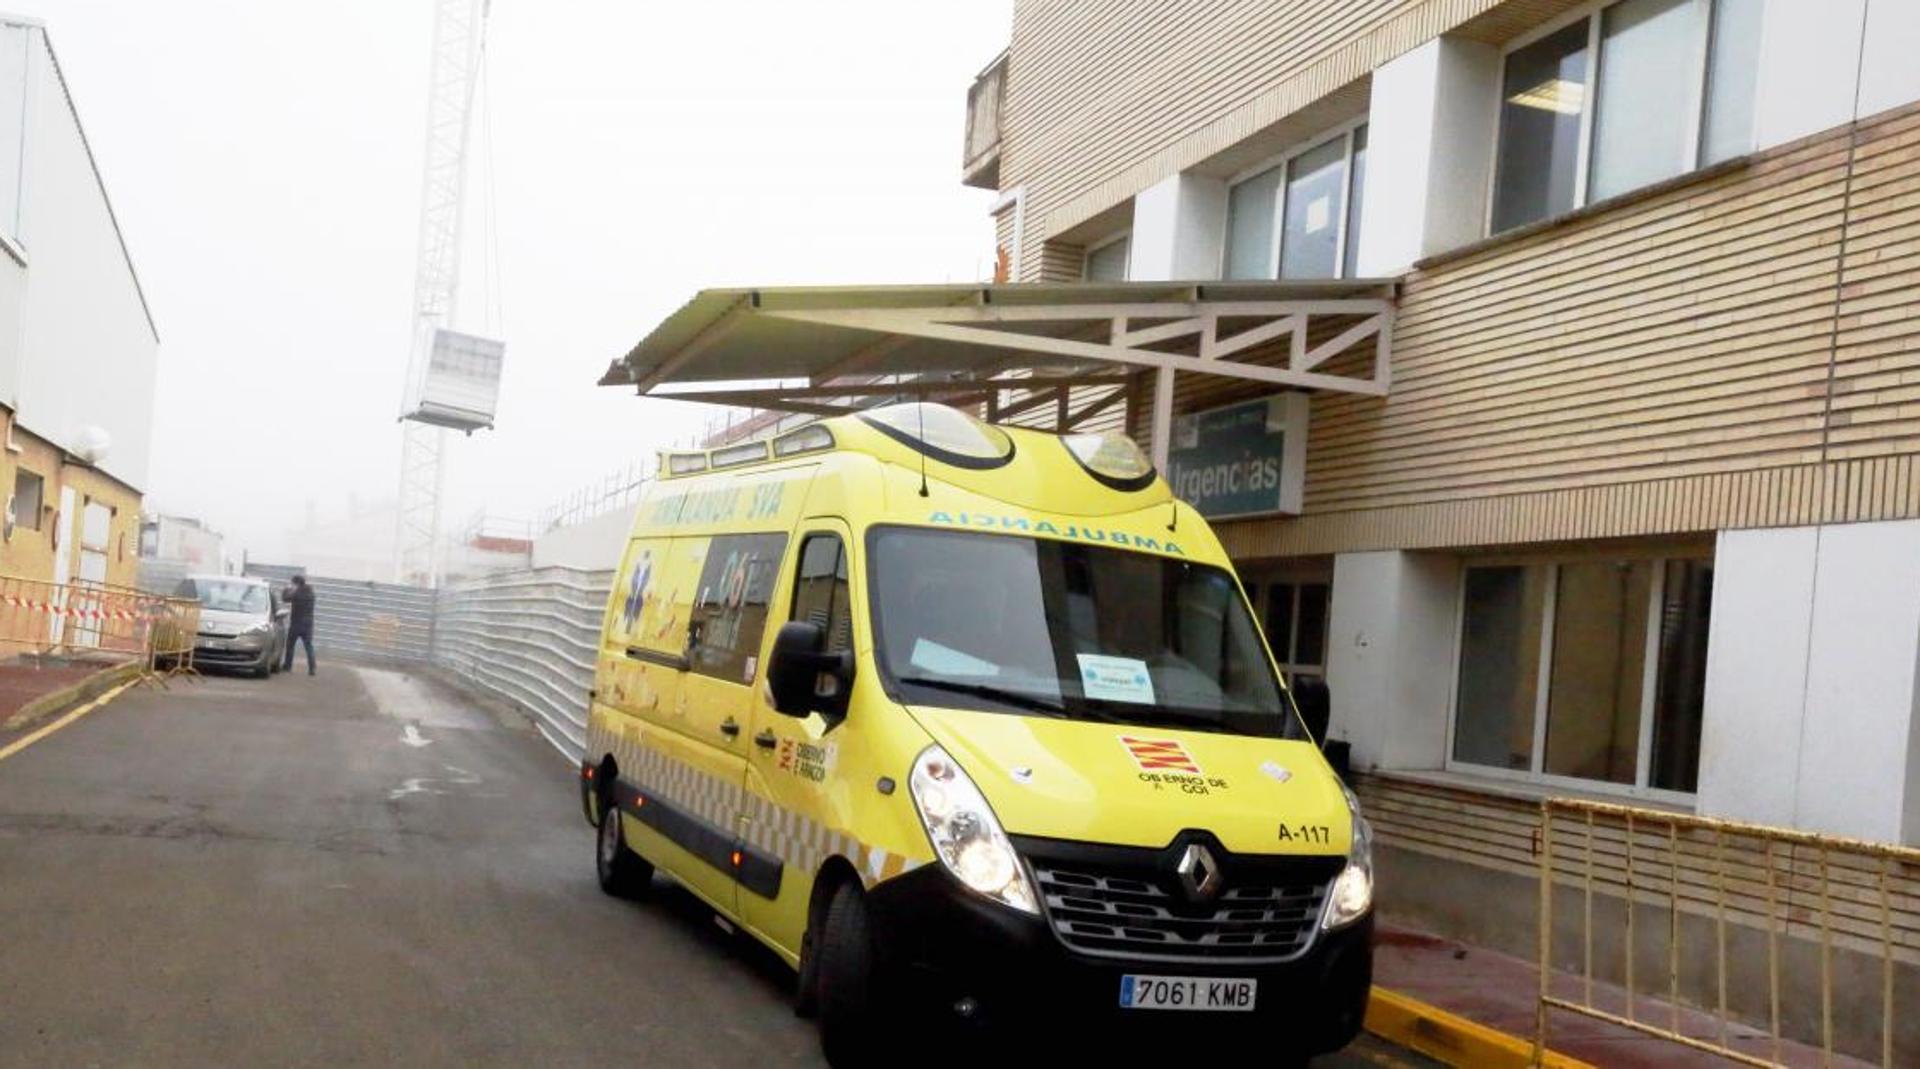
column 1160, row 755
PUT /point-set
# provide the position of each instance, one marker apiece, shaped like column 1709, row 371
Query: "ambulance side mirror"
column 1315, row 701
column 804, row 677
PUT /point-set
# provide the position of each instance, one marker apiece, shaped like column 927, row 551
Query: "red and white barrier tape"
column 76, row 611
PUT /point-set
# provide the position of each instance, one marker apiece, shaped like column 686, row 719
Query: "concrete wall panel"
column 1812, row 679
column 1389, row 656
column 1809, row 60
column 1757, row 674
column 1854, row 742
column 1890, row 59
column 1179, row 229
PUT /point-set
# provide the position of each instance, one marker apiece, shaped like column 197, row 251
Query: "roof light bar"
column 1112, row 458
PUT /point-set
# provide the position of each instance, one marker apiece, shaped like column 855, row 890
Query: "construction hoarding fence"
column 359, row 620
column 1728, row 937
column 529, row 638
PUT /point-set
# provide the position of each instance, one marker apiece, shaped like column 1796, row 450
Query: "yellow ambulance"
column 972, row 721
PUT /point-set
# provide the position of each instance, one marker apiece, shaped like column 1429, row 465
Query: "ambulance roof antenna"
column 1173, row 515
column 920, row 406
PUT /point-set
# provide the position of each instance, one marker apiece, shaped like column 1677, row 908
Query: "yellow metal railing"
column 1820, row 889
column 66, row 619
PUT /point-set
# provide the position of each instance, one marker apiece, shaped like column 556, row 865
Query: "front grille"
column 1130, row 904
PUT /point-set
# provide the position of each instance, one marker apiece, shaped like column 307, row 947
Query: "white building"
column 78, row 345
column 182, row 539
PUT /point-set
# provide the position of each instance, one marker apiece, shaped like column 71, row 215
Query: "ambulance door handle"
column 765, row 740
column 730, row 728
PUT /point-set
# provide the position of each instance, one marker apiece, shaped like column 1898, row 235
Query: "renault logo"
column 1199, row 873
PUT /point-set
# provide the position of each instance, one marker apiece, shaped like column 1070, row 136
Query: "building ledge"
column 1589, row 211
column 984, row 172
column 1531, row 791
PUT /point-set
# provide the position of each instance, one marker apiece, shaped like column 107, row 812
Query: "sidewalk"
column 1500, row 992
column 31, row 686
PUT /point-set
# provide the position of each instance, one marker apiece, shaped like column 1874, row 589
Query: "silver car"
column 243, row 623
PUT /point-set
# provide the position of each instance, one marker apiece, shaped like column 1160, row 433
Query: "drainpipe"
column 1017, row 196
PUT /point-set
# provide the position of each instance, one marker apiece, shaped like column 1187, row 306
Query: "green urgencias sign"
column 1246, row 459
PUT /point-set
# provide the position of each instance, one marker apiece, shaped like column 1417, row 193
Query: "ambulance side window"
column 730, row 605
column 820, row 591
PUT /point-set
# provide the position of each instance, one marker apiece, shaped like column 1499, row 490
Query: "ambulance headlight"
column 1352, row 894
column 964, row 833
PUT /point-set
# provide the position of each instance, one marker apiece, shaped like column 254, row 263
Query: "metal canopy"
column 1013, row 348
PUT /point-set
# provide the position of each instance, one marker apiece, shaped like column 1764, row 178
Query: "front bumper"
column 947, row 945
column 221, row 651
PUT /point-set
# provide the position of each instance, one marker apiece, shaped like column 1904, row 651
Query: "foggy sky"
column 264, row 156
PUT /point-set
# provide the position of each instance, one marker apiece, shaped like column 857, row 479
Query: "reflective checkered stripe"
column 802, row 843
column 687, row 788
column 805, row 844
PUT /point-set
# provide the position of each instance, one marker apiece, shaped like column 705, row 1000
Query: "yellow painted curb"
column 25, row 741
column 1451, row 1038
column 67, row 697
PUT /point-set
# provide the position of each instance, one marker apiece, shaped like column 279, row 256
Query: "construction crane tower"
column 453, row 379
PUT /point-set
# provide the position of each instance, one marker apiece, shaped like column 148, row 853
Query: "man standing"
column 300, row 628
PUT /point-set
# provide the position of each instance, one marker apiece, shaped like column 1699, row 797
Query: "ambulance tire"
column 623, row 873
column 853, row 1026
column 806, row 987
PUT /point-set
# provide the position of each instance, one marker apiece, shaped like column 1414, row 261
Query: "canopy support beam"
column 998, row 327
column 1056, row 354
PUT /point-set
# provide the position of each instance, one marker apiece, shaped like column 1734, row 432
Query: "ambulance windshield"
column 1058, row 628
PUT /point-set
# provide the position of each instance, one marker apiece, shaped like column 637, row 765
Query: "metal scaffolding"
column 459, row 38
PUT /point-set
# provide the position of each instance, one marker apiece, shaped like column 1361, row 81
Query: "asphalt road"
column 358, row 868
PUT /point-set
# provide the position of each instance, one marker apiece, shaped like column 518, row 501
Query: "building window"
column 1626, row 95
column 1296, row 619
column 1356, row 197
column 1299, row 216
column 29, row 492
column 1589, row 670
column 1733, row 68
column 1107, row 261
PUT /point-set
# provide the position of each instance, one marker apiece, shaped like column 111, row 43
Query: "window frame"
column 1261, row 604
column 1086, row 254
column 1536, row 775
column 29, row 522
column 1591, row 12
column 1344, row 132
column 844, row 561
column 741, row 655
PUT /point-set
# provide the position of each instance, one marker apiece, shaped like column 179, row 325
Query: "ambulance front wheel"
column 623, row 873
column 853, row 1024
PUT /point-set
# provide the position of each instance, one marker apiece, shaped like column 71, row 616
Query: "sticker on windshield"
column 1119, row 679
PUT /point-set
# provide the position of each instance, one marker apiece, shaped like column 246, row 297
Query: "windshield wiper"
column 989, row 691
